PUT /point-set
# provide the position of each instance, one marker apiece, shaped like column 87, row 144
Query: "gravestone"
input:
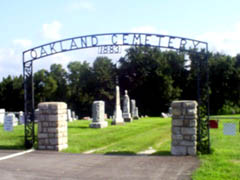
column 36, row 115
column 133, row 106
column 126, row 108
column 134, row 110
column 73, row 116
column 170, row 111
column 52, row 126
column 21, row 118
column 2, row 115
column 164, row 115
column 98, row 113
column 69, row 115
column 9, row 122
column 118, row 119
column 136, row 115
column 184, row 128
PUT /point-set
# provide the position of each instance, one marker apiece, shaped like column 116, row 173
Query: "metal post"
column 29, row 136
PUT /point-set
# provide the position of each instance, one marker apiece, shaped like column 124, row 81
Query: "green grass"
column 224, row 162
column 128, row 139
column 13, row 139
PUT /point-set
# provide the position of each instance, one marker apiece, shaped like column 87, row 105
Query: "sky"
column 26, row 24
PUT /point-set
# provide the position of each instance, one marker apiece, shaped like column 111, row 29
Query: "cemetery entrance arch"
column 112, row 43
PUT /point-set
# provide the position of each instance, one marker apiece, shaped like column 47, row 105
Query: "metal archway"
column 110, row 43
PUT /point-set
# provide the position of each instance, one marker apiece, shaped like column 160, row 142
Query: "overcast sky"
column 26, row 23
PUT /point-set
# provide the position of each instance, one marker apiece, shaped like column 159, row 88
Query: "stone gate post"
column 184, row 128
column 52, row 126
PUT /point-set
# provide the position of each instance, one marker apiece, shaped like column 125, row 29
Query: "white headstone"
column 126, row 108
column 73, row 116
column 164, row 115
column 2, row 115
column 98, row 115
column 21, row 117
column 69, row 115
column 36, row 113
column 9, row 121
column 133, row 106
column 136, row 115
column 134, row 109
column 118, row 118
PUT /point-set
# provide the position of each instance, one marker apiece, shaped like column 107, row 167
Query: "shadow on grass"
column 12, row 147
column 130, row 153
column 78, row 127
column 124, row 153
column 161, row 153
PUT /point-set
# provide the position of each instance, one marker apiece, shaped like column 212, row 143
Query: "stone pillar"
column 184, row 128
column 118, row 119
column 126, row 108
column 2, row 115
column 98, row 113
column 52, row 126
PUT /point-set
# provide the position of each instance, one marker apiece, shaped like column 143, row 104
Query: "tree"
column 80, row 78
column 12, row 94
column 104, row 73
column 60, row 76
column 145, row 72
column 44, row 85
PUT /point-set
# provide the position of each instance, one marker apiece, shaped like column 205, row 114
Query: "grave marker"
column 2, row 115
column 98, row 113
column 118, row 119
column 8, row 122
column 21, row 117
column 69, row 115
column 126, row 108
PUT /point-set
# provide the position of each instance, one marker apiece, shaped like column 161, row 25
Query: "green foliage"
column 11, row 93
column 229, row 108
column 104, row 73
column 154, row 78
column 45, row 86
column 153, row 73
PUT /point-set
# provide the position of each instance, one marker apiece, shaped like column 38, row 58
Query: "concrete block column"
column 52, row 126
column 184, row 128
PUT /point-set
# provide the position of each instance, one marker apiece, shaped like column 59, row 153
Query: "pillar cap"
column 52, row 105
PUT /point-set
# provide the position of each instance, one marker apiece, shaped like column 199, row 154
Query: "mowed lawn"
column 224, row 162
column 130, row 138
column 140, row 135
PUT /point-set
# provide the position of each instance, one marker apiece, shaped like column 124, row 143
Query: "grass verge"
column 224, row 162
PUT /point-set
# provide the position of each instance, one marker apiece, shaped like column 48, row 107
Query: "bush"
column 229, row 108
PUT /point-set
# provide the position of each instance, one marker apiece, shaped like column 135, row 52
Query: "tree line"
column 153, row 77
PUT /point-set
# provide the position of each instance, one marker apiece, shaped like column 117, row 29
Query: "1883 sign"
column 111, row 44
